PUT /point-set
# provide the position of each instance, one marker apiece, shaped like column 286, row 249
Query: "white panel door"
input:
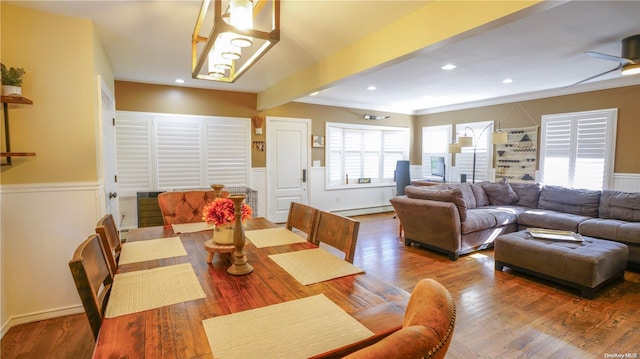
column 107, row 119
column 287, row 165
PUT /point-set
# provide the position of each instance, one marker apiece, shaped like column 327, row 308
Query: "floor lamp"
column 497, row 137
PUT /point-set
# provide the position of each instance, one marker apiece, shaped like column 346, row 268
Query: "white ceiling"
column 150, row 42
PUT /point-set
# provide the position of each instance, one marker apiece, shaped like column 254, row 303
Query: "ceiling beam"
column 431, row 25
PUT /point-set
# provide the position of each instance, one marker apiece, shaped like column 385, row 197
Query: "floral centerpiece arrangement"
column 221, row 213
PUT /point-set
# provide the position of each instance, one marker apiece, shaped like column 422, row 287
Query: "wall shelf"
column 6, row 100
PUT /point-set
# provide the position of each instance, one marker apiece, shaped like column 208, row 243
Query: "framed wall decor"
column 317, row 141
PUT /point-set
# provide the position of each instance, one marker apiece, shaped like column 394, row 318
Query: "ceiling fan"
column 629, row 62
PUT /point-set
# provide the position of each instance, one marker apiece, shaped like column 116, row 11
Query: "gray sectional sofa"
column 464, row 217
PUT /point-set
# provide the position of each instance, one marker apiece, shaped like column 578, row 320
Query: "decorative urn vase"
column 223, row 234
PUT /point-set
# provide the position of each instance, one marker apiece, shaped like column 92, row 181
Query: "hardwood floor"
column 499, row 314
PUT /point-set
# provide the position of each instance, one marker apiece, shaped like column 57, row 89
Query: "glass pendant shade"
column 465, row 141
column 228, row 50
column 241, row 17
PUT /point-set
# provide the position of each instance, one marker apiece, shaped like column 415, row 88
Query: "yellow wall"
column 59, row 56
column 511, row 115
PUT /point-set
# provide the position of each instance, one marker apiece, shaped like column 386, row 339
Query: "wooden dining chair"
column 106, row 228
column 427, row 329
column 337, row 231
column 93, row 279
column 303, row 218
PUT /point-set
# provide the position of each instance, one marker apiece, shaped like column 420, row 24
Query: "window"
column 362, row 151
column 480, row 131
column 160, row 152
column 435, row 143
column 577, row 149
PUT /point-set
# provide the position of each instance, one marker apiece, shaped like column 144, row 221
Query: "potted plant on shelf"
column 12, row 80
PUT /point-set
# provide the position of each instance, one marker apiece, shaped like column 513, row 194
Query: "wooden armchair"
column 338, row 232
column 93, row 279
column 427, row 329
column 106, row 228
column 183, row 206
column 303, row 218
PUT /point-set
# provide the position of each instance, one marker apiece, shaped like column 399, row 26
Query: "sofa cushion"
column 500, row 193
column 444, row 195
column 582, row 202
column 617, row 230
column 481, row 196
column 477, row 220
column 467, row 194
column 505, row 214
column 620, row 205
column 544, row 218
column 528, row 194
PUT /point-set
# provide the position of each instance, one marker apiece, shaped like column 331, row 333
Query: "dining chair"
column 303, row 218
column 183, row 206
column 337, row 231
column 427, row 329
column 93, row 279
column 106, row 228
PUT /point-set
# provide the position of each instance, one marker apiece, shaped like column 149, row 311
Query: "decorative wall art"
column 317, row 141
column 517, row 160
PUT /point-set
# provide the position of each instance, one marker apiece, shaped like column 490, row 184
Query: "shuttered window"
column 160, row 152
column 577, row 149
column 480, row 131
column 435, row 143
column 361, row 151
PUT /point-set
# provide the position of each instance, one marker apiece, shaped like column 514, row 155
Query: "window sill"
column 360, row 186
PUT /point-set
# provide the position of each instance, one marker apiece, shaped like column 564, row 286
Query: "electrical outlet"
column 337, row 199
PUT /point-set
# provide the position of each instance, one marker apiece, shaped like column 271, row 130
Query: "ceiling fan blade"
column 598, row 75
column 598, row 55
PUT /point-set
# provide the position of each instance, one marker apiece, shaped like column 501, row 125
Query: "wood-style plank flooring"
column 499, row 314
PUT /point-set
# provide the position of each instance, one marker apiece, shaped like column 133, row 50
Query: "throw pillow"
column 500, row 194
column 445, row 195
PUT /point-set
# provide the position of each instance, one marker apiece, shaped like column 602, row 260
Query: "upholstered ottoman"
column 586, row 265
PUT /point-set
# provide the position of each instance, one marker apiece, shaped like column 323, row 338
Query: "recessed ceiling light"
column 372, row 88
column 179, row 81
column 507, row 81
column 449, row 67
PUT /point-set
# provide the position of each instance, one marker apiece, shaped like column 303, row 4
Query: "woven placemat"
column 137, row 291
column 142, row 251
column 314, row 265
column 295, row 329
column 191, row 227
column 273, row 237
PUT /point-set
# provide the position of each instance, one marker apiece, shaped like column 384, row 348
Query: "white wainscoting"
column 42, row 224
column 348, row 201
column 626, row 182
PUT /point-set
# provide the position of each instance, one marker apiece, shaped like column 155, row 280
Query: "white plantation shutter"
column 133, row 157
column 228, row 152
column 576, row 149
column 364, row 151
column 435, row 143
column 481, row 132
column 179, row 152
column 393, row 151
column 159, row 152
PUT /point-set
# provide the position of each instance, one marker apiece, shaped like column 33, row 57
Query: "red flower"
column 221, row 211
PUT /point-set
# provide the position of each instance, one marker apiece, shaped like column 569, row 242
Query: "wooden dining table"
column 176, row 331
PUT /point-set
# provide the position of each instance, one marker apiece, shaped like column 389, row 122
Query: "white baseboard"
column 37, row 316
column 361, row 211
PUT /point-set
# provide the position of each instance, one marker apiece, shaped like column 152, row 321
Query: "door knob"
column 113, row 195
